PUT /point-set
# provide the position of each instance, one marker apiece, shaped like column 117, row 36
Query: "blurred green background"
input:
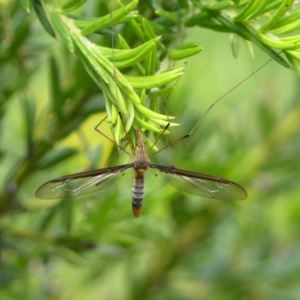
column 182, row 246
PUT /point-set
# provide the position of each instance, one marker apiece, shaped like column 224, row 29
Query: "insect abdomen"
column 137, row 194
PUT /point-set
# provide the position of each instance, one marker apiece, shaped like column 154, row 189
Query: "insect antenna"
column 165, row 107
column 103, row 134
column 159, row 136
column 212, row 105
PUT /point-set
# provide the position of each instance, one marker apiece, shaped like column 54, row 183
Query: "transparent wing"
column 80, row 183
column 201, row 184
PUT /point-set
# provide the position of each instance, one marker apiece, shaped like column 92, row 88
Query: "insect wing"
column 80, row 184
column 202, row 185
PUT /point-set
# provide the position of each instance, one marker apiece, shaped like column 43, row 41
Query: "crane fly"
column 195, row 183
column 187, row 181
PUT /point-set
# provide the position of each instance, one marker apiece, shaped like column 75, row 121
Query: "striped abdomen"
column 137, row 194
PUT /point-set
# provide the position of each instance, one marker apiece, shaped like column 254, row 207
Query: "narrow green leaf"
column 151, row 114
column 271, row 5
column 287, row 20
column 56, row 156
column 39, row 10
column 136, row 28
column 164, row 123
column 259, row 10
column 70, row 5
column 100, row 69
column 219, row 5
column 234, row 43
column 246, row 33
column 62, row 30
column 111, row 111
column 249, row 46
column 92, row 72
column 115, row 95
column 246, row 11
column 148, row 82
column 292, row 39
column 123, row 44
column 184, row 46
column 84, row 22
column 198, row 19
column 125, row 58
column 277, row 16
column 127, row 89
column 151, row 62
column 149, row 33
column 274, row 42
column 294, row 63
column 143, row 97
column 110, row 107
column 118, row 131
column 178, row 54
column 162, row 92
column 146, row 125
column 288, row 27
column 109, row 20
column 217, row 27
column 89, row 62
column 294, row 54
column 130, row 116
column 173, row 17
column 149, row 142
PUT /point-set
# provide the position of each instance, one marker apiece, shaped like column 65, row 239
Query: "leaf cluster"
column 117, row 59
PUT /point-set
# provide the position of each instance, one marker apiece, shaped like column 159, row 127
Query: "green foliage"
column 117, row 59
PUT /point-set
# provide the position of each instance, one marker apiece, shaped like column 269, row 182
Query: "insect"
column 92, row 181
column 187, row 181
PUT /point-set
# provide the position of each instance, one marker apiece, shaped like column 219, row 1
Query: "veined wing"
column 80, row 183
column 201, row 184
